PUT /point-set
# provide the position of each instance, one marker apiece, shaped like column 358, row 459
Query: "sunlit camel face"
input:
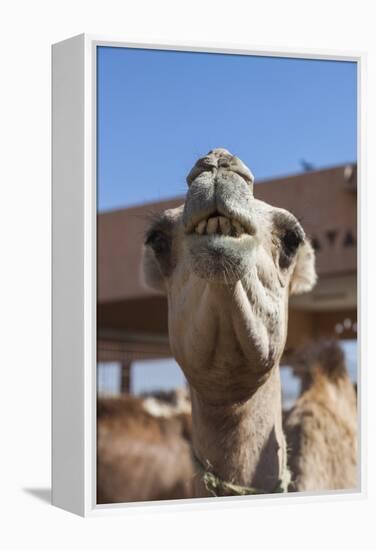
column 225, row 242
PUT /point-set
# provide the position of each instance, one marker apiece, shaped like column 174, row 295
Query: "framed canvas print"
column 206, row 331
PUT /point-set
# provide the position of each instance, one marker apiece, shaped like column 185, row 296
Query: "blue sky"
column 158, row 111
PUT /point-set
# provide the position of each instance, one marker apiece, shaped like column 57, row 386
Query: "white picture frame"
column 74, row 274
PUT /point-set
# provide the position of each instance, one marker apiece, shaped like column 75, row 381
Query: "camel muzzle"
column 219, row 197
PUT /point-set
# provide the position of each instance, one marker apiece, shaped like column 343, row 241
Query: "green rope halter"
column 215, row 484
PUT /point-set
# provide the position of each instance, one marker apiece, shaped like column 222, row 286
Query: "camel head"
column 228, row 263
column 323, row 358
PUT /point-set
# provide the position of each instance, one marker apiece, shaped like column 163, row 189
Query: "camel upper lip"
column 216, row 221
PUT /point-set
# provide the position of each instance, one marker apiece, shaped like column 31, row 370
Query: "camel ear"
column 151, row 272
column 304, row 276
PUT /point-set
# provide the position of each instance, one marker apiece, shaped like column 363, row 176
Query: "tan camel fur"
column 321, row 428
column 142, row 457
column 228, row 263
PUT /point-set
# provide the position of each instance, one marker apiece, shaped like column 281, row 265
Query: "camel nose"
column 223, row 163
column 220, row 160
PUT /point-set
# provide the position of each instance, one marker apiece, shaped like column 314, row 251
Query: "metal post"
column 125, row 376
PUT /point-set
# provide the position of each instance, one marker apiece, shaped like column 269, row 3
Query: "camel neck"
column 243, row 443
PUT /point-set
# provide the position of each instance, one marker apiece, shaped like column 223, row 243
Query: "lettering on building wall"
column 331, row 237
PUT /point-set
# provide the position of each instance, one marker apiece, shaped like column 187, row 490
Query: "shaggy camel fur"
column 321, row 428
column 167, row 403
column 140, row 456
column 228, row 263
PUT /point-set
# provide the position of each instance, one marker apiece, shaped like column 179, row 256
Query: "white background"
column 28, row 28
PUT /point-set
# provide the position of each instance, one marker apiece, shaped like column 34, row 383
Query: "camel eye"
column 291, row 240
column 158, row 241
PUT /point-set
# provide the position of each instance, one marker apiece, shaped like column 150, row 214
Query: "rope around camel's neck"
column 220, row 487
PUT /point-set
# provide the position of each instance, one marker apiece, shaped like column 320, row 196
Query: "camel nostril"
column 206, row 162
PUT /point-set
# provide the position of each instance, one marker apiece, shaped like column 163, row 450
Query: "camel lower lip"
column 220, row 258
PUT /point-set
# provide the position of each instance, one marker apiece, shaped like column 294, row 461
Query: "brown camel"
column 321, row 428
column 140, row 456
column 228, row 263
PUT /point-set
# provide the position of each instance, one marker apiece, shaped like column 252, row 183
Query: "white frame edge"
column 74, row 277
column 68, row 98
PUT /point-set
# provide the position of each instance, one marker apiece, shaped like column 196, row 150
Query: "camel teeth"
column 239, row 229
column 212, row 226
column 225, row 225
column 220, row 225
column 200, row 227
